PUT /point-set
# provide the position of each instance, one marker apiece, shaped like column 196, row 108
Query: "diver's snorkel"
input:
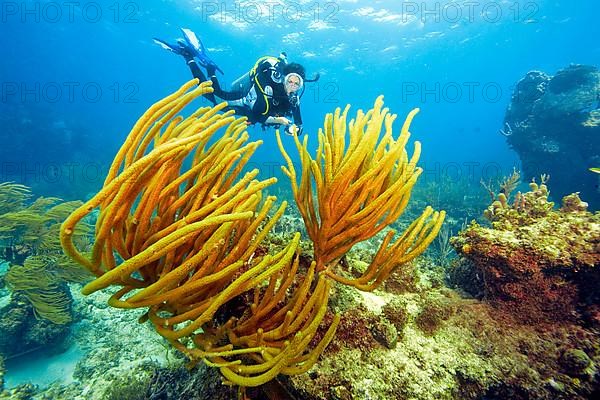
column 283, row 57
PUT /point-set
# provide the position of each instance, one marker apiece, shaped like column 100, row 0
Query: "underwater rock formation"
column 541, row 263
column 553, row 123
column 451, row 348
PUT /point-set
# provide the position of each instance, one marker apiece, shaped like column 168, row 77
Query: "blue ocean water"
column 76, row 76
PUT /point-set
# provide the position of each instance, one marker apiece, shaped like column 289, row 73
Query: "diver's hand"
column 284, row 121
column 293, row 130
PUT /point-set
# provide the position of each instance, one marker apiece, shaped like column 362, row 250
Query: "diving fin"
column 178, row 48
column 198, row 49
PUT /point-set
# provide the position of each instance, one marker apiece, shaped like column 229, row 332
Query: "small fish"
column 595, row 169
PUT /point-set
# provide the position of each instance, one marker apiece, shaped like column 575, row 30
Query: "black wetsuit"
column 276, row 105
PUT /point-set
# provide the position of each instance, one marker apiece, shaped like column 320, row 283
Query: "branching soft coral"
column 41, row 288
column 352, row 190
column 29, row 235
column 34, row 228
column 185, row 227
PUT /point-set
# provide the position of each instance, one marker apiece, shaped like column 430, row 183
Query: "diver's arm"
column 296, row 129
column 277, row 121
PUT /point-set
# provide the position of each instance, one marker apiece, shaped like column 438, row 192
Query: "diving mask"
column 293, row 82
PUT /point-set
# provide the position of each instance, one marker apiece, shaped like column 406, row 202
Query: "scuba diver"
column 268, row 94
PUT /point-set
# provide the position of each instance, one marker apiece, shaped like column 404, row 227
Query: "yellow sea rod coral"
column 359, row 182
column 178, row 230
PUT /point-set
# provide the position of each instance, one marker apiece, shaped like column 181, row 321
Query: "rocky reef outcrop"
column 540, row 263
column 553, row 123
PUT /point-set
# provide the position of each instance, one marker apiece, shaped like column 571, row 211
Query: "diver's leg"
column 218, row 90
column 224, row 94
column 197, row 73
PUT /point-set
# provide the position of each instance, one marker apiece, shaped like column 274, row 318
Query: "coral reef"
column 408, row 338
column 475, row 352
column 456, row 348
column 109, row 362
column 185, row 241
column 33, row 229
column 151, row 381
column 552, row 123
column 540, row 262
column 25, row 391
column 478, row 352
column 435, row 311
column 47, row 293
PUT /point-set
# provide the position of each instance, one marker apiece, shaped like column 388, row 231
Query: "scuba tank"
column 242, row 84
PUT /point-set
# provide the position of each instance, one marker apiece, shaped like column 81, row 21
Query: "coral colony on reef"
column 195, row 259
column 535, row 259
column 186, row 243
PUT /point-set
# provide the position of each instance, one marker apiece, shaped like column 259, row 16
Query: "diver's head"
column 294, row 75
column 292, row 83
